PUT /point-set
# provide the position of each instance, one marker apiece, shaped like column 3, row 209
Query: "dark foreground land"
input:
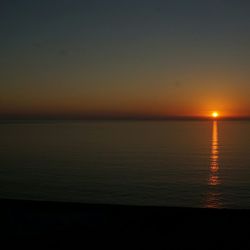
column 183, row 228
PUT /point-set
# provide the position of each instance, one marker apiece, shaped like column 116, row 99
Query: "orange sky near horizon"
column 160, row 99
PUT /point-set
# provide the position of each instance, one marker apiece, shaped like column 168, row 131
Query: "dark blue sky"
column 125, row 57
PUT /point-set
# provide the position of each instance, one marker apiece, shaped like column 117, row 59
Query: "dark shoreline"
column 36, row 220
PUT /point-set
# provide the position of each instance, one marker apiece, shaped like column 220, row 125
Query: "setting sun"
column 215, row 114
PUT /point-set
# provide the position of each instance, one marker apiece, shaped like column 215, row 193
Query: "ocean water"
column 169, row 163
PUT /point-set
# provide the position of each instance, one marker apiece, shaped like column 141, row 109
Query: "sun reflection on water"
column 214, row 157
column 213, row 196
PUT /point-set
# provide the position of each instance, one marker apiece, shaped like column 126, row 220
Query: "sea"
column 203, row 164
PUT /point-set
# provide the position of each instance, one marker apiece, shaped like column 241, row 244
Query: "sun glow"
column 215, row 114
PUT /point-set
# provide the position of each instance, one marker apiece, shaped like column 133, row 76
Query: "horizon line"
column 119, row 118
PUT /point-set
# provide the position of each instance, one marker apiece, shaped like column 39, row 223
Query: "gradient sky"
column 124, row 58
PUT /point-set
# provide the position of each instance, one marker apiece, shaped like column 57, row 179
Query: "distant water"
column 173, row 163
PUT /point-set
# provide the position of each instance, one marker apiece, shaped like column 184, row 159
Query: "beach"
column 43, row 221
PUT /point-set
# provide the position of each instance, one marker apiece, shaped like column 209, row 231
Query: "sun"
column 215, row 114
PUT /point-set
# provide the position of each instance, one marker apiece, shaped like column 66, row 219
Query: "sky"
column 116, row 58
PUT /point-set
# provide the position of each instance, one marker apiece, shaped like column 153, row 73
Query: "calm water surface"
column 183, row 163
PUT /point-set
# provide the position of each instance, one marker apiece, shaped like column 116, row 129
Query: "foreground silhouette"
column 59, row 222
